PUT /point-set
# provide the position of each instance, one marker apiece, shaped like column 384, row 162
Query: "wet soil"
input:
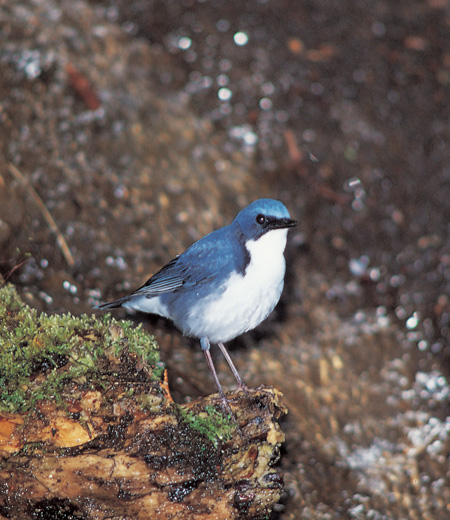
column 144, row 125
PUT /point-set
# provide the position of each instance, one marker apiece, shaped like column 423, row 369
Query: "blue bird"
column 224, row 284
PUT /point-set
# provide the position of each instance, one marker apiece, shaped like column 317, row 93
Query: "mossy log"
column 108, row 442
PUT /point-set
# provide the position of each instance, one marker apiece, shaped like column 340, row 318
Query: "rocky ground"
column 140, row 126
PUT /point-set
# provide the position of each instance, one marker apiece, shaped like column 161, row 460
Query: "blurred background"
column 129, row 129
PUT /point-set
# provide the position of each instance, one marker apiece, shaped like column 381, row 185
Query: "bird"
column 223, row 285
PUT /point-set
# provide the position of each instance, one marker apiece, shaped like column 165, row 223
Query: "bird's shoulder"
column 221, row 250
column 213, row 257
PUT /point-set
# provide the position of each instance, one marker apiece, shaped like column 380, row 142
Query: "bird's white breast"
column 248, row 298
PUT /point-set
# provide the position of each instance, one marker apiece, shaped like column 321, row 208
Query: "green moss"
column 40, row 355
column 211, row 423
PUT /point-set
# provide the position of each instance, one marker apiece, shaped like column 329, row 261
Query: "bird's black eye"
column 260, row 219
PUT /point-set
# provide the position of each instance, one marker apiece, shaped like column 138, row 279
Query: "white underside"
column 247, row 300
column 149, row 305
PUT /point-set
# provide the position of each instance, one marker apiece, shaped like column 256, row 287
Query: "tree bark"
column 140, row 465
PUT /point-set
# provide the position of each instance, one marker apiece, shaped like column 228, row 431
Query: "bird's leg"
column 238, row 378
column 204, row 342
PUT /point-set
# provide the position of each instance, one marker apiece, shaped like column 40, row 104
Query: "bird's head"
column 263, row 216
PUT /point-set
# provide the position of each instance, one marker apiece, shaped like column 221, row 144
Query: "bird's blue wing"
column 167, row 279
column 210, row 260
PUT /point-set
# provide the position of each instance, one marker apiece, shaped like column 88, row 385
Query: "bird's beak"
column 281, row 223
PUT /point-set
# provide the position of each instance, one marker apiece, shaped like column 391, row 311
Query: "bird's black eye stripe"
column 260, row 219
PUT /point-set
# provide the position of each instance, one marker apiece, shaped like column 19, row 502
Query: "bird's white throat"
column 266, row 254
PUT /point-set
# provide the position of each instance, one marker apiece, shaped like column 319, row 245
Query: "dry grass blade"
column 45, row 213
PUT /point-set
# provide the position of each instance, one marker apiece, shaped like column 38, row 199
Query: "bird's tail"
column 112, row 305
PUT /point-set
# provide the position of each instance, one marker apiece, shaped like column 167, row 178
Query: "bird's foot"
column 246, row 389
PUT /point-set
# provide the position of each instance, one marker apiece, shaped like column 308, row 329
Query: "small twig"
column 82, row 87
column 11, row 272
column 296, row 155
column 165, row 386
column 46, row 214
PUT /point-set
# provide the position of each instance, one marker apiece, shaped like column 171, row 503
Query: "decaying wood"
column 140, row 465
column 119, row 462
column 89, row 431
